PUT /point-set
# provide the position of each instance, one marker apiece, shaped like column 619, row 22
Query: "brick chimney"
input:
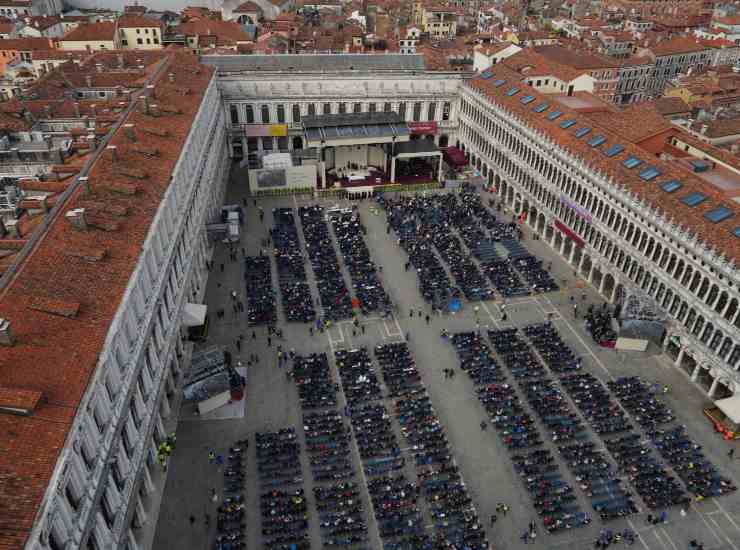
column 6, row 334
column 130, row 132
column 113, row 152
column 77, row 218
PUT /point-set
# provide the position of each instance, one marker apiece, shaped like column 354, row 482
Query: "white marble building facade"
column 106, row 488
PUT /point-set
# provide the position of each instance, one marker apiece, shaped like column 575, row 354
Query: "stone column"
column 562, row 245
column 602, row 283
column 439, row 170
column 713, row 388
column 695, row 374
column 679, row 358
column 393, row 170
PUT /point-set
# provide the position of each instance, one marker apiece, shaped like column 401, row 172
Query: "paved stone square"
column 272, row 403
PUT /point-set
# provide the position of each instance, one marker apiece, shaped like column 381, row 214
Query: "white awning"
column 194, row 315
column 731, row 407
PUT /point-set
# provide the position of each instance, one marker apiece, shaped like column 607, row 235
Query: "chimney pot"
column 113, row 152
column 6, row 334
column 85, row 182
column 93, row 110
column 99, row 67
column 121, row 61
column 76, row 106
column 130, row 132
column 77, row 218
column 150, row 89
column 88, row 81
column 171, row 76
column 145, row 104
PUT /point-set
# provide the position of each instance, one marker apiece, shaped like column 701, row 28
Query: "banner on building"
column 560, row 226
column 265, row 130
column 579, row 211
column 423, row 128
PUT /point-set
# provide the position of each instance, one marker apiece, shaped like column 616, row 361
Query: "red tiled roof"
column 678, row 45
column 130, row 21
column 717, row 235
column 26, row 44
column 103, row 31
column 226, row 32
column 578, row 59
column 671, row 106
column 57, row 355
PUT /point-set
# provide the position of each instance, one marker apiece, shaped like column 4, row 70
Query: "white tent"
column 730, row 407
column 194, row 315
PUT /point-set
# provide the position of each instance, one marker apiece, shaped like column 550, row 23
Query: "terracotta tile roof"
column 130, row 21
column 530, row 63
column 43, row 22
column 26, row 44
column 48, row 55
column 226, row 32
column 635, row 123
column 102, row 31
column 671, row 106
column 676, row 46
column 578, row 59
column 719, row 128
column 719, row 235
column 57, row 355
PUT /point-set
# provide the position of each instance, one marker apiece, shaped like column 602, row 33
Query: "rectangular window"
column 671, row 186
column 568, row 123
column 597, row 140
column 311, row 109
column 554, row 115
column 250, row 114
column 296, row 113
column 632, row 162
column 512, row 91
column 252, row 144
column 267, row 144
column 283, row 143
column 402, row 110
column 649, row 173
column 387, row 108
column 371, row 108
column 281, row 114
column 327, row 108
column 432, row 114
column 719, row 214
column 582, row 132
column 527, row 99
column 694, row 199
column 446, row 110
column 500, row 82
column 357, row 108
column 265, row 114
column 342, row 108
column 614, row 150
column 417, row 112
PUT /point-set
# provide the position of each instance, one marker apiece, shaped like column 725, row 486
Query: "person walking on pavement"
column 731, row 453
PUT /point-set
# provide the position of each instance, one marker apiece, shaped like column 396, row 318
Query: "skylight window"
column 554, row 115
column 512, row 91
column 485, row 75
column 694, row 199
column 632, row 162
column 542, row 107
column 736, row 232
column 567, row 123
column 650, row 173
column 614, row 150
column 719, row 214
column 597, row 140
column 671, row 186
column 527, row 99
column 581, row 132
column 500, row 82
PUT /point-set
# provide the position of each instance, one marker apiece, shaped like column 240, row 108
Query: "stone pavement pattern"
column 272, row 403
